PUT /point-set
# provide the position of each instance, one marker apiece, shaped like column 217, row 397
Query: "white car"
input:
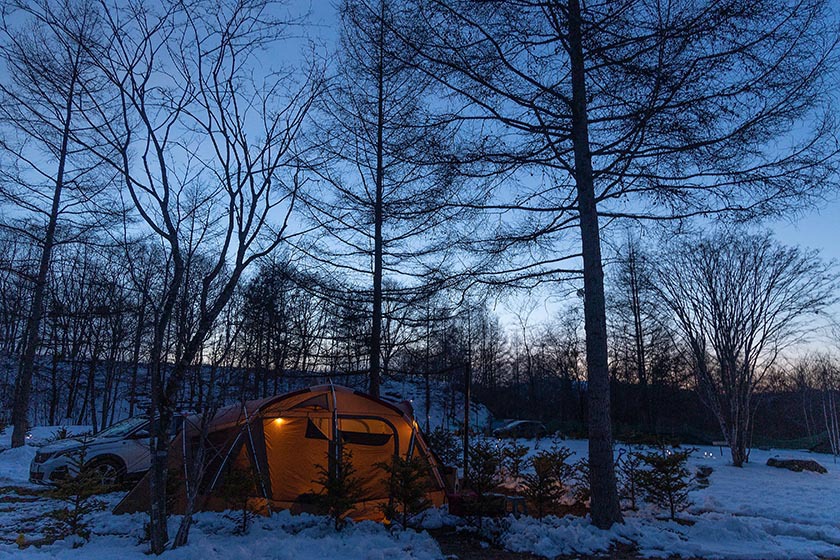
column 117, row 453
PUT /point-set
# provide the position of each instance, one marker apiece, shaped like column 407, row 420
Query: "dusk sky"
column 815, row 227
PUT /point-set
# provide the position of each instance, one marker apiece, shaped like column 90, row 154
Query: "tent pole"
column 255, row 460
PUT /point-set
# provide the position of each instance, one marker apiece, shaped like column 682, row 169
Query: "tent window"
column 313, row 432
column 365, row 438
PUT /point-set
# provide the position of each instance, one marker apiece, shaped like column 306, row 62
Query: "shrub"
column 340, row 488
column 629, row 470
column 446, row 446
column 541, row 485
column 513, row 457
column 77, row 493
column 238, row 485
column 407, row 485
column 665, row 481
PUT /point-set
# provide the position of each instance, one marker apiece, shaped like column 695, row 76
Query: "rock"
column 704, row 471
column 796, row 465
column 702, row 474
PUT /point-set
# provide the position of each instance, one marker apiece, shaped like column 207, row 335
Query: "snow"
column 436, row 518
column 279, row 537
column 444, row 410
column 751, row 512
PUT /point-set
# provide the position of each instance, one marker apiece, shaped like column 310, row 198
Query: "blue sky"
column 814, row 227
column 817, row 228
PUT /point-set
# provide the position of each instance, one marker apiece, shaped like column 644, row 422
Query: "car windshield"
column 123, row 428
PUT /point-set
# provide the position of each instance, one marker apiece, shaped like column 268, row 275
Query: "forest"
column 562, row 210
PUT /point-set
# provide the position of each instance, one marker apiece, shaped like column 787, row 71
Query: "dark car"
column 521, row 429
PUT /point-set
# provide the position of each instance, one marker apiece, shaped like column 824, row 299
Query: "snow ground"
column 444, row 411
column 754, row 512
column 279, row 537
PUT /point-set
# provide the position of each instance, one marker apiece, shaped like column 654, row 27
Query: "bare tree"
column 388, row 169
column 44, row 173
column 641, row 329
column 204, row 144
column 739, row 299
column 678, row 105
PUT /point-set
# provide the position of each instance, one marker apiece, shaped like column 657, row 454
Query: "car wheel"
column 109, row 472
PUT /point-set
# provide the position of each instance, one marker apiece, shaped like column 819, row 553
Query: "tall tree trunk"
column 605, row 505
column 92, row 392
column 467, row 403
column 54, row 389
column 638, row 334
column 426, row 372
column 161, row 413
column 376, row 323
column 135, row 357
column 23, row 382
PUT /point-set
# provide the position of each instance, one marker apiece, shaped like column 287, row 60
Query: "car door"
column 134, row 450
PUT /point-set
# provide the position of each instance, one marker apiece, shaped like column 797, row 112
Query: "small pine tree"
column 580, row 475
column 558, row 456
column 77, row 493
column 542, row 487
column 407, row 487
column 513, row 457
column 60, row 434
column 239, row 484
column 483, row 474
column 340, row 488
column 446, row 446
column 665, row 481
column 629, row 467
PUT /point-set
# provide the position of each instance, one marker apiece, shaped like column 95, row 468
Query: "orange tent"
column 283, row 441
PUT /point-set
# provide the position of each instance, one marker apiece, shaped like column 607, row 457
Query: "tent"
column 283, row 442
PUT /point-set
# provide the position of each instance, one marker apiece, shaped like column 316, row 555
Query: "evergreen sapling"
column 580, row 475
column 666, row 480
column 77, row 493
column 446, row 446
column 629, row 469
column 340, row 488
column 483, row 474
column 542, row 487
column 407, row 484
column 514, row 458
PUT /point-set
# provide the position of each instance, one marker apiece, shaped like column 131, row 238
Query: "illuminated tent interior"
column 282, row 442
